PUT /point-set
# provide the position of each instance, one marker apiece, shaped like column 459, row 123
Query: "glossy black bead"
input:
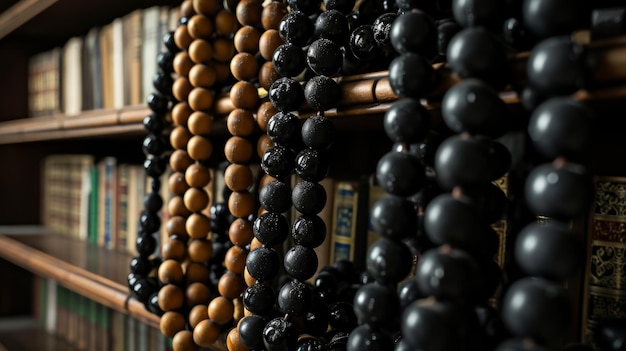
column 377, row 305
column 132, row 278
column 332, row 25
column 251, row 330
column 158, row 102
column 165, row 61
column 536, row 308
column 549, row 250
column 446, row 30
column 389, row 261
column 278, row 335
column 394, row 217
column 275, row 197
column 286, row 94
column 284, row 127
column 259, row 299
column 473, row 106
column 289, row 60
column 278, row 161
column 400, row 173
column 381, row 27
column 149, row 222
column 301, row 262
column 154, row 123
column 474, row 13
column 431, row 327
column 312, row 165
column 476, row 53
column 561, row 126
column 562, row 193
column 263, row 263
column 407, row 121
column 271, row 228
column 342, row 316
column 294, row 298
column 310, row 344
column 162, row 82
column 322, row 93
column 154, row 166
column 409, row 292
column 144, row 288
column 560, row 17
column 140, row 265
column 308, row 197
column 153, row 202
column 410, row 75
column 170, row 44
column 308, row 7
column 153, row 145
column 557, row 66
column 318, row 133
column 145, row 244
column 324, row 57
column 152, row 304
column 516, row 34
column 308, row 231
column 414, row 32
column 343, row 6
column 296, row 28
column 366, row 338
column 362, row 43
column 610, row 334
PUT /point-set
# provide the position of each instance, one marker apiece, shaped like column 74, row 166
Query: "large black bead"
column 251, row 330
column 536, row 308
column 309, row 231
column 296, row 28
column 414, row 32
column 312, row 165
column 294, row 298
column 431, row 327
column 366, row 338
column 275, row 197
column 400, row 173
column 557, row 66
column 158, row 102
column 562, row 193
column 271, row 228
column 322, row 93
column 324, row 57
column 286, row 94
column 407, row 121
column 278, row 161
column 332, row 25
column 145, row 244
column 318, row 132
column 389, row 261
column 289, row 60
column 259, row 298
column 284, row 127
column 309, row 197
column 408, row 292
column 410, row 75
column 263, row 263
column 377, row 305
column 301, row 262
column 278, row 335
column 394, row 217
column 362, row 43
column 556, row 17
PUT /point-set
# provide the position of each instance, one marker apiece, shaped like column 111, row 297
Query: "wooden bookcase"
column 31, row 26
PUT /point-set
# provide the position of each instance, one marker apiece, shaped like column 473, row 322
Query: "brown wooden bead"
column 230, row 285
column 170, row 297
column 223, row 49
column 180, row 113
column 240, row 122
column 199, row 148
column 197, row 272
column 265, row 111
column 238, row 313
column 206, row 333
column 269, row 41
column 200, row 123
column 272, row 14
column 176, row 207
column 196, row 199
column 240, row 232
column 222, row 71
column 182, row 37
column 176, row 225
column 197, row 314
column 235, row 259
column 186, row 9
column 199, row 250
column 206, row 7
column 177, row 183
column 180, row 160
column 267, row 75
column 179, row 137
column 183, row 341
column 238, row 177
column 174, row 250
column 181, row 88
column 248, row 279
column 263, row 144
column 233, row 343
column 197, row 175
column 197, row 294
column 221, row 310
column 238, row 150
column 244, row 66
column 225, row 23
column 241, row 203
column 200, row 51
column 200, row 99
column 249, row 12
column 202, row 75
column 171, row 323
column 182, row 63
column 244, row 95
column 198, row 226
column 200, row 26
column 255, row 243
column 170, row 272
column 247, row 39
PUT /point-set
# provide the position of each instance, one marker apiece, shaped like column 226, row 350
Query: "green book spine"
column 93, row 207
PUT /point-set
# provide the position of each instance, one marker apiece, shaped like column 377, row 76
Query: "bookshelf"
column 27, row 27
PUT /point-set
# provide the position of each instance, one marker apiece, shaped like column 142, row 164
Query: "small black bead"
column 286, row 94
column 278, row 161
column 366, row 338
column 154, row 123
column 301, row 262
column 154, row 166
column 158, row 102
column 553, row 18
column 294, row 298
column 170, row 43
column 407, row 121
column 149, row 222
column 271, row 228
column 309, row 231
column 162, row 82
column 332, row 25
column 251, row 331
column 382, row 29
column 165, row 60
column 152, row 304
column 322, row 93
column 296, row 28
column 276, row 197
column 284, row 127
column 289, row 60
column 144, row 288
column 259, row 299
column 362, row 43
column 410, row 75
column 309, row 197
column 408, row 292
column 389, row 261
column 318, row 132
column 394, row 217
column 324, row 57
column 414, row 32
column 153, row 202
column 263, row 263
column 145, row 244
column 312, row 165
column 378, row 306
column 153, row 145
column 400, row 173
column 278, row 335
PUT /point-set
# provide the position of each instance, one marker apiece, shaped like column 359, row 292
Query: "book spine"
column 605, row 295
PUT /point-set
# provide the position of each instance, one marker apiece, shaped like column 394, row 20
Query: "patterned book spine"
column 606, row 264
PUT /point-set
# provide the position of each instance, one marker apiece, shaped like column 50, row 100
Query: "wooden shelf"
column 91, row 271
column 25, row 334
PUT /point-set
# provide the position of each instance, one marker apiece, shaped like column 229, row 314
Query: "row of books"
column 88, row 325
column 108, row 67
